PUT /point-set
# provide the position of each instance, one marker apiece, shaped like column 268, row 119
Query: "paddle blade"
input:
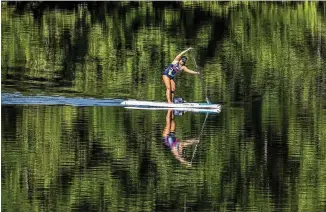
column 207, row 100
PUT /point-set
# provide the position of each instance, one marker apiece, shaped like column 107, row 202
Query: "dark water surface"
column 265, row 151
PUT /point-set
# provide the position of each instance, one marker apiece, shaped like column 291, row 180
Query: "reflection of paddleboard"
column 196, row 110
column 136, row 103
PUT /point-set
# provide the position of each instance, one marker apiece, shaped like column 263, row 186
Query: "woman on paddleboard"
column 168, row 75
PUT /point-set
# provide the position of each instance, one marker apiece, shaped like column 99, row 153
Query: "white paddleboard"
column 170, row 105
column 196, row 110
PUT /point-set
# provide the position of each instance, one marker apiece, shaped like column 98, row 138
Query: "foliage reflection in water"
column 265, row 151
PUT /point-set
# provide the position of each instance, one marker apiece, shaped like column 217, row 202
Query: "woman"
column 168, row 75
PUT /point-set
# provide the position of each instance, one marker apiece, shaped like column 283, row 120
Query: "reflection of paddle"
column 201, row 81
column 201, row 131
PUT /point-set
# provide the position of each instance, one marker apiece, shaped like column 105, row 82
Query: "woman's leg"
column 167, row 83
column 172, row 90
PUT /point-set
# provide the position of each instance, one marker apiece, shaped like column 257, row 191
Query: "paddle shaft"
column 201, row 81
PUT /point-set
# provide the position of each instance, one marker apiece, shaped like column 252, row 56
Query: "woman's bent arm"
column 178, row 57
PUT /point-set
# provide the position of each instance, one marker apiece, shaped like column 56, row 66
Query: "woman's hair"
column 184, row 59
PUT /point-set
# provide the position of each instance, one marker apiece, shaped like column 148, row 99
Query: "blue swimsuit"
column 172, row 70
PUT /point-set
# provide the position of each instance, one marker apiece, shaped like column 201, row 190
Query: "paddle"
column 201, row 80
column 201, row 83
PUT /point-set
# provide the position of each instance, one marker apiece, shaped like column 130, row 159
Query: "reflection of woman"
column 172, row 141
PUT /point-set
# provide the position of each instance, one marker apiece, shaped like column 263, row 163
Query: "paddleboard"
column 137, row 103
column 196, row 110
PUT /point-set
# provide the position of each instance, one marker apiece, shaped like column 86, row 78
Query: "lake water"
column 263, row 62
